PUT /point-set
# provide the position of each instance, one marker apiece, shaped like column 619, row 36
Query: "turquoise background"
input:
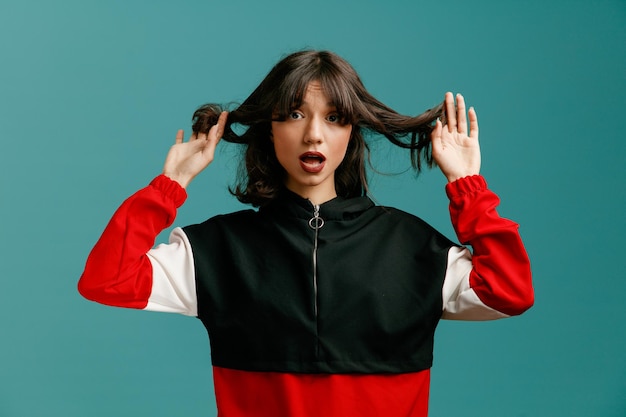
column 91, row 96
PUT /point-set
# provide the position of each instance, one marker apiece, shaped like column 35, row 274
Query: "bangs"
column 341, row 89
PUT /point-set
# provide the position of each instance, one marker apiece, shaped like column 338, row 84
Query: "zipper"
column 315, row 223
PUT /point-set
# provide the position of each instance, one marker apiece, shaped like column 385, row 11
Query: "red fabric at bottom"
column 272, row 394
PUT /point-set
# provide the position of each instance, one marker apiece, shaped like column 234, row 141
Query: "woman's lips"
column 312, row 162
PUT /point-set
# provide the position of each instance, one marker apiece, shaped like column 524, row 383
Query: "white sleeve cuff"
column 173, row 276
column 460, row 301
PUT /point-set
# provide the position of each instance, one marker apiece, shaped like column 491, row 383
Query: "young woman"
column 319, row 303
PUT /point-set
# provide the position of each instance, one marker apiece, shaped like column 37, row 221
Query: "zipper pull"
column 316, row 222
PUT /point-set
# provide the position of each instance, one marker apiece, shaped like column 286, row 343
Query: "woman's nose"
column 314, row 131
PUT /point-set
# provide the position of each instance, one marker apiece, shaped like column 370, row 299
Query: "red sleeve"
column 118, row 271
column 500, row 276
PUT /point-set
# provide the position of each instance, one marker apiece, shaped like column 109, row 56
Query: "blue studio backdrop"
column 91, row 96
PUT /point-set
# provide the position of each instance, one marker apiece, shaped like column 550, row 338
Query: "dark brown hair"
column 282, row 91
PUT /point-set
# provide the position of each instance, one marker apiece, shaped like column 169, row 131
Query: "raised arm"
column 494, row 280
column 122, row 269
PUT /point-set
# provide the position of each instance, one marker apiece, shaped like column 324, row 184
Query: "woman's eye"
column 334, row 118
column 294, row 115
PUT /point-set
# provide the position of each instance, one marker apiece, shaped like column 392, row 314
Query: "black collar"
column 288, row 203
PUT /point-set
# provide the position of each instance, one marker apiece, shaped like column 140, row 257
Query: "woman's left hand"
column 454, row 149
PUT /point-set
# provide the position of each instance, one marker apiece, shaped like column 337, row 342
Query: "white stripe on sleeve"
column 460, row 301
column 173, row 276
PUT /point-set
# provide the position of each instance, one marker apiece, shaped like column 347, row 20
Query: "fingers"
column 461, row 121
column 180, row 135
column 436, row 132
column 473, row 119
column 217, row 130
column 456, row 115
column 435, row 137
column 214, row 134
column 450, row 112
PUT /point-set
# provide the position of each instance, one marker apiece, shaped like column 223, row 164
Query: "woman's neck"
column 317, row 195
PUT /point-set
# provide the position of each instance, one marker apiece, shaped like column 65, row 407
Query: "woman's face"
column 310, row 144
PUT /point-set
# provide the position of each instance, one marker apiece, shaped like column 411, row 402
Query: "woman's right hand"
column 185, row 160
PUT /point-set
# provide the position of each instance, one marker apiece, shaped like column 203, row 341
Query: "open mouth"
column 312, row 161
